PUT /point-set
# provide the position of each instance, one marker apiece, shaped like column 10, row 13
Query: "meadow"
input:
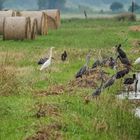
column 36, row 104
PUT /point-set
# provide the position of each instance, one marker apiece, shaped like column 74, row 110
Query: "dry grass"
column 49, row 132
column 8, row 81
column 126, row 17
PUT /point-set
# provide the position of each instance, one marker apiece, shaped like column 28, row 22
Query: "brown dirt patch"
column 136, row 43
column 135, row 28
column 49, row 132
column 89, row 80
column 52, row 90
column 47, row 110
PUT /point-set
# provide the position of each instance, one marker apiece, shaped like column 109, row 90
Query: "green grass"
column 104, row 119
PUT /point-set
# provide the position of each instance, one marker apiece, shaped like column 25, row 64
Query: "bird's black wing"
column 81, row 72
column 42, row 61
column 97, row 92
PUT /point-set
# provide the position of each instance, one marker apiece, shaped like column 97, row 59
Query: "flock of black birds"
column 121, row 55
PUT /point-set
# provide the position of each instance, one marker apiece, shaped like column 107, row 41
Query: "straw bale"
column 51, row 23
column 41, row 19
column 55, row 14
column 17, row 28
column 8, row 13
column 34, row 28
column 4, row 14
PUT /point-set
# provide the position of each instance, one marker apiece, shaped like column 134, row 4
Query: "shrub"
column 116, row 6
column 126, row 17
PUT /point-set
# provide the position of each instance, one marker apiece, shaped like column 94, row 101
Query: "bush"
column 116, row 6
column 136, row 8
column 126, row 17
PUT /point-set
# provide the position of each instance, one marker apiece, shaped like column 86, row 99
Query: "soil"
column 49, row 132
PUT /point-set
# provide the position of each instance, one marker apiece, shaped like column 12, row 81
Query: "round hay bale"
column 34, row 28
column 41, row 19
column 51, row 23
column 16, row 28
column 55, row 14
column 4, row 14
column 9, row 13
column 18, row 13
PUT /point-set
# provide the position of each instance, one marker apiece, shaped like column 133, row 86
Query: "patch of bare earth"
column 89, row 80
column 52, row 90
column 49, row 132
column 135, row 28
column 136, row 43
column 43, row 110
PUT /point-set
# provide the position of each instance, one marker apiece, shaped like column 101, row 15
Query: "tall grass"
column 106, row 118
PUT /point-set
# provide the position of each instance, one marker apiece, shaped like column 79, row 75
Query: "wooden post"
column 133, row 6
column 85, row 13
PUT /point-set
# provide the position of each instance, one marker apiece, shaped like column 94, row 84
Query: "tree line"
column 43, row 4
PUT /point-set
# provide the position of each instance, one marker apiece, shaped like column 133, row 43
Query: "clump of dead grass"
column 43, row 110
column 89, row 80
column 8, row 81
column 52, row 90
column 49, row 132
column 126, row 17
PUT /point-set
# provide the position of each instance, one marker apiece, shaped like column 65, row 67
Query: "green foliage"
column 1, row 4
column 136, row 8
column 51, row 4
column 116, row 6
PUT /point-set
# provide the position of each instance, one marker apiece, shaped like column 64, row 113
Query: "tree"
column 136, row 8
column 41, row 4
column 51, row 4
column 1, row 4
column 116, row 6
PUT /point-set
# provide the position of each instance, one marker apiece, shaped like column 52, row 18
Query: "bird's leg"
column 128, row 89
column 136, row 88
column 120, row 83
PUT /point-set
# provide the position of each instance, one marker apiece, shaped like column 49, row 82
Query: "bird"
column 64, row 56
column 137, row 84
column 48, row 62
column 84, row 68
column 43, row 60
column 128, row 82
column 121, row 53
column 111, row 63
column 109, row 82
column 137, row 61
column 98, row 90
column 124, row 61
column 121, row 73
column 96, row 63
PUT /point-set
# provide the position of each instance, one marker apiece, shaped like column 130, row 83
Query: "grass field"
column 29, row 108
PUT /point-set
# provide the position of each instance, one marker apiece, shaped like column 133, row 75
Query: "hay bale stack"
column 41, row 19
column 51, row 23
column 9, row 13
column 34, row 28
column 55, row 14
column 4, row 14
column 16, row 28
